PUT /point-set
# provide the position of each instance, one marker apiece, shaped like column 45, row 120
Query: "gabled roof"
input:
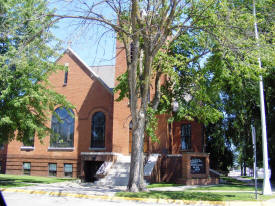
column 87, row 69
column 106, row 73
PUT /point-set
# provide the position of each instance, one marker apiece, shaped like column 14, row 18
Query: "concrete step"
column 118, row 174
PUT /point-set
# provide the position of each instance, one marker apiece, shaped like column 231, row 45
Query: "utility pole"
column 255, row 159
column 266, row 183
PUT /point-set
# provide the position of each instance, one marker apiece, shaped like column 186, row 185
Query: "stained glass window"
column 98, row 130
column 63, row 128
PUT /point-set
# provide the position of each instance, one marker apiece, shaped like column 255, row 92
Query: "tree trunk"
column 135, row 183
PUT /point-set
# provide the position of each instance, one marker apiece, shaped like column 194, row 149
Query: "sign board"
column 197, row 165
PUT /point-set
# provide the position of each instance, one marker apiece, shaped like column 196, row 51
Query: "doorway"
column 90, row 169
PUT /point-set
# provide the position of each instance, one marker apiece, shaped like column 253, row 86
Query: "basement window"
column 68, row 170
column 26, row 168
column 52, row 169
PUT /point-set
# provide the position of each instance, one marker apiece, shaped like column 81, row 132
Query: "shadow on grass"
column 163, row 184
column 233, row 181
column 196, row 196
column 174, row 195
column 5, row 184
column 17, row 181
column 226, row 187
column 7, row 180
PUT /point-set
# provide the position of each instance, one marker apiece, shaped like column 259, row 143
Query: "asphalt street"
column 18, row 199
column 74, row 193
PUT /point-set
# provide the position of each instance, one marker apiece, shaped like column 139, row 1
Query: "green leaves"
column 26, row 101
column 122, row 87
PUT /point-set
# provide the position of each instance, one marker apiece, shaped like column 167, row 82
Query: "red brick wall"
column 197, row 140
column 162, row 133
column 39, row 164
column 169, row 137
column 169, row 140
column 3, row 157
column 88, row 96
column 170, row 168
column 177, row 168
column 121, row 117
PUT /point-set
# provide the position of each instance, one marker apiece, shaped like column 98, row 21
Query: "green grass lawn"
column 20, row 181
column 222, row 192
column 231, row 184
column 162, row 184
column 226, row 187
column 191, row 195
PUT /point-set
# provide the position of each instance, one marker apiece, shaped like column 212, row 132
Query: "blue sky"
column 94, row 44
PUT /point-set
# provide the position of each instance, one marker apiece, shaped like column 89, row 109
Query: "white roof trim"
column 69, row 50
column 93, row 73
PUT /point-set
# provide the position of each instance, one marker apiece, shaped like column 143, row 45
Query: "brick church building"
column 100, row 130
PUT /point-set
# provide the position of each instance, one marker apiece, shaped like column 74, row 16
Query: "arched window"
column 63, row 128
column 98, row 130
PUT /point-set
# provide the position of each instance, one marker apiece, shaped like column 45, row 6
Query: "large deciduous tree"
column 235, row 69
column 227, row 81
column 26, row 61
column 145, row 27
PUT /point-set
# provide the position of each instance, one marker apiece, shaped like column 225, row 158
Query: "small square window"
column 52, row 169
column 68, row 170
column 26, row 168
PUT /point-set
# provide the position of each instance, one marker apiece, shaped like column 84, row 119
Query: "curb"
column 145, row 200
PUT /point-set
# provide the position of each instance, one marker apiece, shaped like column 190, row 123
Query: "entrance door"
column 90, row 169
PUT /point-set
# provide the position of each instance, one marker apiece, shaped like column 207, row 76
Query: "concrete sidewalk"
column 92, row 191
